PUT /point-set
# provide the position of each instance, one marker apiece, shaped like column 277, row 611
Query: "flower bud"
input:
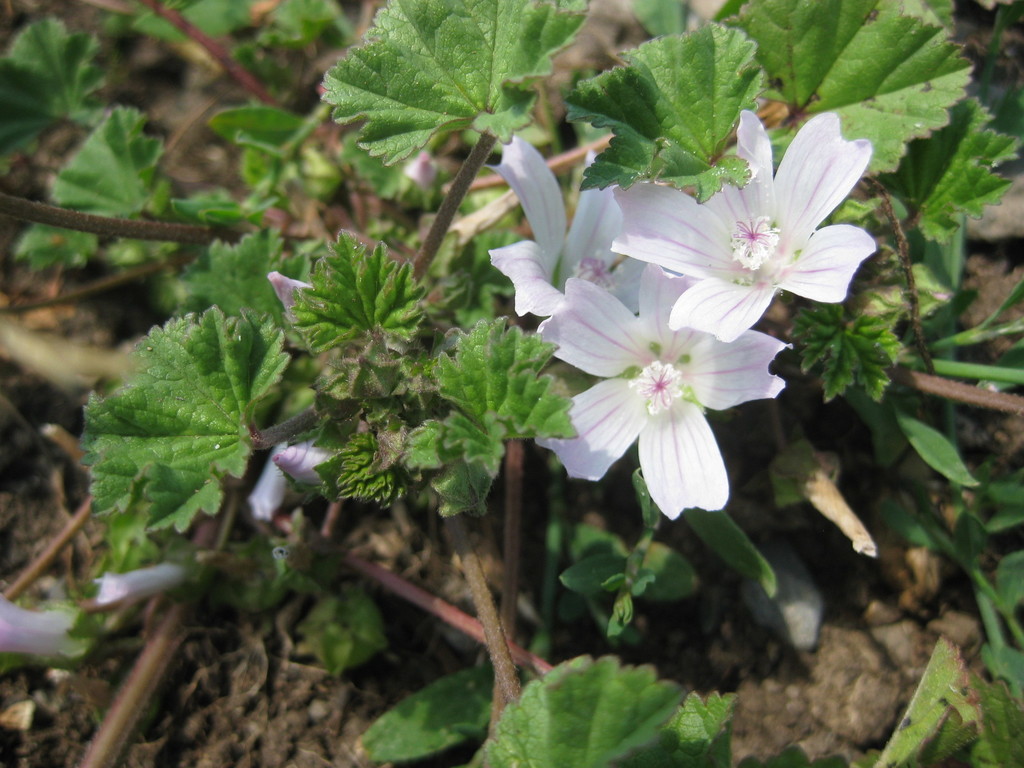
column 285, row 288
column 268, row 493
column 300, row 461
column 137, row 584
column 422, row 170
column 43, row 633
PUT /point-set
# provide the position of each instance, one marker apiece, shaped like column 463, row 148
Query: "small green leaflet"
column 950, row 171
column 698, row 736
column 356, row 293
column 582, row 713
column 432, row 65
column 47, row 75
column 447, row 712
column 112, row 172
column 234, row 277
column 936, row 449
column 495, row 374
column 163, row 442
column 673, row 110
column 42, row 246
column 891, row 78
column 848, row 349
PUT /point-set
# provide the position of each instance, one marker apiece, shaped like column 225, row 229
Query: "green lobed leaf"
column 950, row 171
column 673, row 110
column 941, row 703
column 496, row 371
column 589, row 575
column 42, row 246
column 431, row 65
column 343, row 632
column 729, row 542
column 234, row 277
column 890, row 77
column 673, row 578
column 111, row 174
column 582, row 713
column 47, row 75
column 697, row 736
column 857, row 349
column 936, row 450
column 356, row 293
column 447, row 712
column 163, row 442
column 297, row 23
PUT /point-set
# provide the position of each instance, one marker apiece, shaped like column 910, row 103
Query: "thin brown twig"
column 505, row 678
column 102, row 285
column 37, row 567
column 903, row 250
column 130, row 703
column 236, row 71
column 557, row 163
column 512, row 540
column 107, row 226
column 956, row 390
column 285, row 431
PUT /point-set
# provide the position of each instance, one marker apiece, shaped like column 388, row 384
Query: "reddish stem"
column 236, row 71
column 439, row 608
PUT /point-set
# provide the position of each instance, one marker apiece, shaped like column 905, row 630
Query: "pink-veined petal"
column 526, row 265
column 726, row 374
column 523, row 167
column 825, row 267
column 626, row 282
column 594, row 225
column 721, row 308
column 757, row 198
column 667, row 227
column 595, row 332
column 819, row 170
column 659, row 292
column 607, row 418
column 681, row 462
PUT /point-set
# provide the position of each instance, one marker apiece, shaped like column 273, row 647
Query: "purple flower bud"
column 137, row 584
column 422, row 170
column 268, row 493
column 43, row 633
column 299, row 461
column 285, row 288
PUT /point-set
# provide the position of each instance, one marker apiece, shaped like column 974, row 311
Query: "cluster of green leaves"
column 595, row 713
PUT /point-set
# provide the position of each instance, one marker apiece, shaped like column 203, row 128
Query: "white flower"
column 140, row 583
column 657, row 384
column 44, row 633
column 268, row 493
column 539, row 268
column 300, row 461
column 745, row 244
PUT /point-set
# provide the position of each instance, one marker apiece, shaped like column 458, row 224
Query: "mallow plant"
column 766, row 158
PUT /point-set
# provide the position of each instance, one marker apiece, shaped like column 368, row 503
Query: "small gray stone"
column 794, row 614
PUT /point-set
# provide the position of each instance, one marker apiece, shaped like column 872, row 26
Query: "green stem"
column 978, row 371
column 105, row 226
column 988, row 594
column 450, row 205
column 285, row 431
